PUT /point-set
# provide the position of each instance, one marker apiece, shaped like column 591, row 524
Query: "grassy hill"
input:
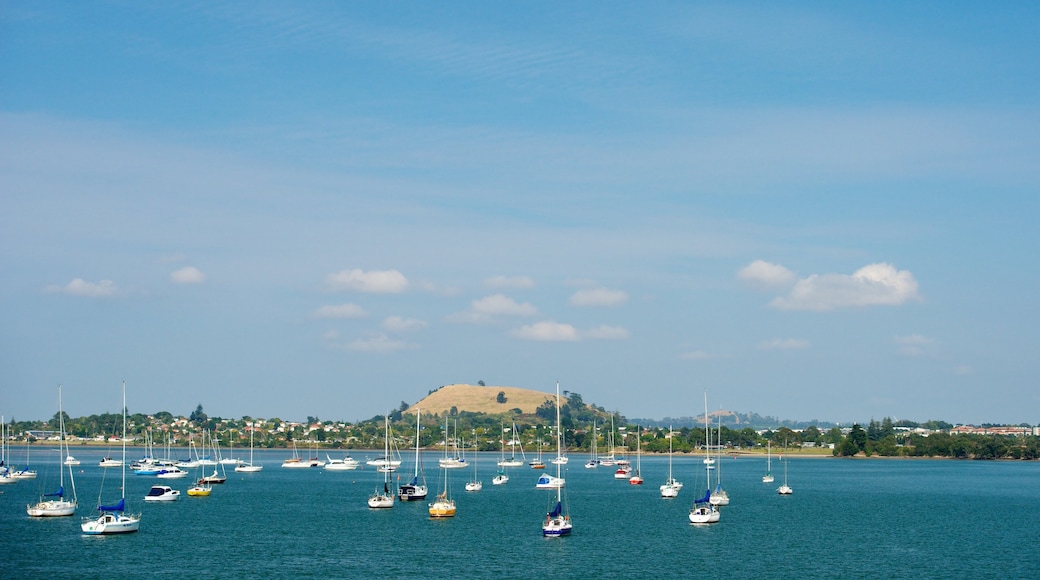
column 479, row 399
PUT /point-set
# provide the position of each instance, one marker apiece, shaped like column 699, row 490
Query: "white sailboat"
column 609, row 460
column 249, row 467
column 557, row 521
column 476, row 484
column 5, row 473
column 593, row 461
column 768, row 477
column 513, row 461
column 703, row 512
column 230, row 459
column 113, row 518
column 214, row 478
column 414, row 490
column 384, row 498
column 719, row 496
column 25, row 472
column 455, row 461
column 671, row 486
column 60, row 505
column 784, row 489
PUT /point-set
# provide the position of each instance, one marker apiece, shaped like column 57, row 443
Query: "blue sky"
column 811, row 210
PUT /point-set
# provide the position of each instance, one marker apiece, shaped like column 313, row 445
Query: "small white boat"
column 56, row 504
column 113, row 518
column 383, row 499
column 768, row 477
column 173, row 472
column 109, row 462
column 249, row 467
column 348, row 463
column 162, row 493
column 500, row 479
column 703, row 512
column 70, row 460
column 784, row 489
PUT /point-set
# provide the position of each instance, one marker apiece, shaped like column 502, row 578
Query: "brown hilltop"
column 477, row 399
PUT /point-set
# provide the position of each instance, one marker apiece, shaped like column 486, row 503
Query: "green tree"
column 501, row 398
column 198, row 417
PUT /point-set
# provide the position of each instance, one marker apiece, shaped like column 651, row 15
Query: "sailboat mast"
column 123, row 489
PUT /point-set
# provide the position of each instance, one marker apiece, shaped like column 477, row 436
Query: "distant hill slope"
column 479, row 399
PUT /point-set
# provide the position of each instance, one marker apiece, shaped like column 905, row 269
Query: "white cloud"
column 374, row 282
column 187, row 275
column 873, row 285
column 762, row 274
column 80, row 287
column 400, row 324
column 379, row 343
column 698, row 355
column 598, row 297
column 486, row 309
column 913, row 344
column 606, row 332
column 963, row 370
column 340, row 311
column 547, row 331
column 509, row 282
column 784, row 344
column 330, row 334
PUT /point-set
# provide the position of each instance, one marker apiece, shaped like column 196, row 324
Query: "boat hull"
column 48, row 509
column 111, row 524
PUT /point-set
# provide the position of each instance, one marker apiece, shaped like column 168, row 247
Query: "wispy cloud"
column 598, row 297
column 374, row 282
column 187, row 275
column 762, row 274
column 784, row 344
column 347, row 310
column 547, row 331
column 490, row 308
column 80, row 287
column 509, row 282
column 605, row 332
column 401, row 324
column 379, row 343
column 873, row 285
column 913, row 344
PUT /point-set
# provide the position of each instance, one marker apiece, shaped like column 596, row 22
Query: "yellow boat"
column 443, row 507
column 200, row 490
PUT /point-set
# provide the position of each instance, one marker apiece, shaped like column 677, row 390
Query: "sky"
column 809, row 210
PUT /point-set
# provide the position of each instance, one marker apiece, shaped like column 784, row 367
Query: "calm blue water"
column 847, row 518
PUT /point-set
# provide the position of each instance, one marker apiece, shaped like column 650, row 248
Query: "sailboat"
column 671, row 485
column 514, row 438
column 451, row 461
column 414, row 490
column 476, row 484
column 593, row 461
column 703, row 512
column 784, row 489
column 25, row 472
column 59, row 506
column 5, row 473
column 719, row 496
column 609, row 460
column 501, row 478
column 295, row 461
column 214, row 478
column 768, row 477
column 230, row 459
column 556, row 522
column 384, row 499
column 113, row 518
column 444, row 505
column 249, row 467
column 637, row 479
